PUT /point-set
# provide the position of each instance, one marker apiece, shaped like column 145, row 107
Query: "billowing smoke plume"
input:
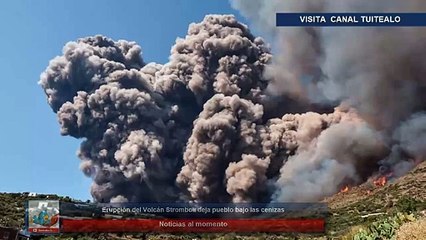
column 376, row 71
column 224, row 122
column 137, row 118
column 336, row 64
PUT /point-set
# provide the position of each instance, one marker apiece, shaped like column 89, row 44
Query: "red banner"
column 193, row 225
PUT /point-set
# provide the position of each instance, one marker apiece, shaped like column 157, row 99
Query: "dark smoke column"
column 103, row 93
column 135, row 118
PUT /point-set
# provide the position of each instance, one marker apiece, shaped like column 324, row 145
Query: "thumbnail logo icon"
column 43, row 216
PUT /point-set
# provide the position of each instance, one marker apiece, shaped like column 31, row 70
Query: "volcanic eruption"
column 224, row 121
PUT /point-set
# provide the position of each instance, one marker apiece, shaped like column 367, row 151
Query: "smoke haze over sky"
column 32, row 33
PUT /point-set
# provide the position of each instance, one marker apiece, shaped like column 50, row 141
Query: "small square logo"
column 43, row 216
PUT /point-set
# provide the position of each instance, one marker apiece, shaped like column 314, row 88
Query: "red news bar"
column 193, row 225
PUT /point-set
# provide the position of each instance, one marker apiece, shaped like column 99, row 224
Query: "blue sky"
column 33, row 155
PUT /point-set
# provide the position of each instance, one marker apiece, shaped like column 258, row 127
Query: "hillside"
column 400, row 204
column 365, row 204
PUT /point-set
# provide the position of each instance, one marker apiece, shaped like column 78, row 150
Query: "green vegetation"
column 409, row 205
column 385, row 228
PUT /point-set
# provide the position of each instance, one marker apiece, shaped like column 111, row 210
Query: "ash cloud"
column 223, row 121
column 225, row 130
column 347, row 64
column 377, row 72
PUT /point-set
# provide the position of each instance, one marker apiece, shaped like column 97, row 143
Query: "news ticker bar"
column 51, row 217
column 351, row 19
column 195, row 210
column 193, row 225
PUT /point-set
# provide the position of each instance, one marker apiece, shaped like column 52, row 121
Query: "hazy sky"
column 34, row 156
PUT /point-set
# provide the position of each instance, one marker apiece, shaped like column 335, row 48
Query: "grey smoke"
column 347, row 64
column 339, row 154
column 246, row 178
column 225, row 130
column 379, row 72
column 208, row 127
column 411, row 136
column 135, row 119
